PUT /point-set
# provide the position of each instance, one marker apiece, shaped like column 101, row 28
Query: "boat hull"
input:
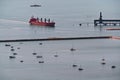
column 52, row 24
column 112, row 28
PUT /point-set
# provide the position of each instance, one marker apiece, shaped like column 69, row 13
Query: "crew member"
column 41, row 19
column 45, row 19
column 49, row 20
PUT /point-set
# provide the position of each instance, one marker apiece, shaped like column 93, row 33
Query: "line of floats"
column 69, row 38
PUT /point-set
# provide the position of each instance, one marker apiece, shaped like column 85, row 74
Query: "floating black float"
column 74, row 65
column 113, row 67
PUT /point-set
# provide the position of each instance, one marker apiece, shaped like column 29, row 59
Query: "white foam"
column 12, row 21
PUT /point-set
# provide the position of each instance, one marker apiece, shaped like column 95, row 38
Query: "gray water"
column 14, row 17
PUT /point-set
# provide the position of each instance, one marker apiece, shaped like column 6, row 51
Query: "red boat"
column 36, row 21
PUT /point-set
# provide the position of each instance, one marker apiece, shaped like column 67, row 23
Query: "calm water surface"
column 14, row 17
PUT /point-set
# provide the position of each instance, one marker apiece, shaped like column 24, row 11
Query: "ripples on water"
column 89, row 56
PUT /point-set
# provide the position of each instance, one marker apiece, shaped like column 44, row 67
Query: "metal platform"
column 106, row 22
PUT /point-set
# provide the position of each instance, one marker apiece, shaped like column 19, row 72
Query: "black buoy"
column 80, row 24
column 40, row 43
column 34, row 53
column 80, row 69
column 56, row 55
column 113, row 67
column 21, row 61
column 72, row 49
column 11, row 57
column 39, row 56
column 12, row 49
column 18, row 48
column 7, row 45
column 103, row 59
column 41, row 61
column 103, row 63
column 14, row 53
column 74, row 65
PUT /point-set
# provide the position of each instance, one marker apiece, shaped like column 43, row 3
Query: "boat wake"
column 12, row 21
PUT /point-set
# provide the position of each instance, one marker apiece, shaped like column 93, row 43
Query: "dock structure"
column 106, row 22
